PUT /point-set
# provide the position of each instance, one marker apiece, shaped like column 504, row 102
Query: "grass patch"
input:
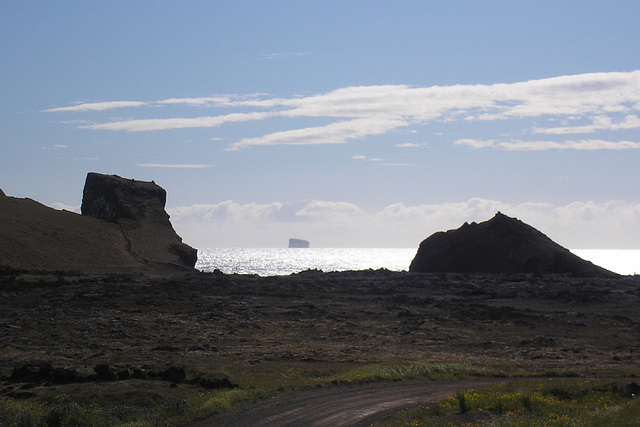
column 170, row 412
column 151, row 403
column 552, row 402
column 437, row 371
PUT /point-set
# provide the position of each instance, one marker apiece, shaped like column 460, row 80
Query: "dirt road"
column 345, row 405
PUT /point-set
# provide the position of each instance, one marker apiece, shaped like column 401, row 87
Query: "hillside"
column 36, row 237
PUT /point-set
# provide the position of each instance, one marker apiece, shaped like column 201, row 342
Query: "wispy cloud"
column 599, row 123
column 272, row 56
column 581, row 145
column 143, row 125
column 174, row 166
column 55, row 147
column 335, row 133
column 475, row 143
column 411, row 145
column 96, row 106
column 378, row 161
column 611, row 100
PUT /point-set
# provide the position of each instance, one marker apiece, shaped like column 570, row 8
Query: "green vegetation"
column 439, row 371
column 554, row 402
column 149, row 403
column 63, row 412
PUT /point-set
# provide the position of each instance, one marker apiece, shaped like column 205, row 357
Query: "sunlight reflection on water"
column 276, row 261
column 283, row 261
column 621, row 261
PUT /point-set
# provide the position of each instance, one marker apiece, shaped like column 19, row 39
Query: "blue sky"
column 348, row 123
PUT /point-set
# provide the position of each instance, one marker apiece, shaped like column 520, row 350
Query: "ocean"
column 284, row 261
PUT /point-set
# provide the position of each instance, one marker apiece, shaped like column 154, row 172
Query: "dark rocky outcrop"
column 105, row 373
column 44, row 373
column 123, row 229
column 499, row 245
column 138, row 208
column 116, row 199
column 298, row 243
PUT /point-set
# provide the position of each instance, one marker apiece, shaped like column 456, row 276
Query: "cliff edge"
column 123, row 229
column 499, row 245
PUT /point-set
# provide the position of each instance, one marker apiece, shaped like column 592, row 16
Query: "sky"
column 346, row 123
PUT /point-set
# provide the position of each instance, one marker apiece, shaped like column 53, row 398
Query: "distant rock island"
column 298, row 243
column 499, row 245
column 123, row 228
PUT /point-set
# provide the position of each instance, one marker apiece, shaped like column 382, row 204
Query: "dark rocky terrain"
column 499, row 245
column 214, row 321
column 123, row 228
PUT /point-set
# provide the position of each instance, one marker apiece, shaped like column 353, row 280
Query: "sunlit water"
column 621, row 261
column 276, row 262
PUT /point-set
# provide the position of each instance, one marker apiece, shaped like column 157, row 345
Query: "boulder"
column 44, row 372
column 174, row 374
column 499, row 245
column 105, row 373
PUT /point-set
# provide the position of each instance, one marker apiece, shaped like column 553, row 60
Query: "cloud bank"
column 607, row 101
column 578, row 225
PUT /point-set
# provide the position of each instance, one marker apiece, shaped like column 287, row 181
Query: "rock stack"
column 137, row 207
column 298, row 243
column 123, row 229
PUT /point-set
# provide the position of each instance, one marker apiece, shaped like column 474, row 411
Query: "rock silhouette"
column 499, row 245
column 298, row 243
column 138, row 208
column 123, row 229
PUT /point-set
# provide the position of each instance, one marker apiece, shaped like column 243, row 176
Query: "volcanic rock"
column 173, row 373
column 138, row 208
column 105, row 373
column 298, row 243
column 125, row 230
column 116, row 199
column 499, row 245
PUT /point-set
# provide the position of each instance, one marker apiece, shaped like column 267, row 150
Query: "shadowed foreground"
column 506, row 321
column 117, row 340
column 356, row 405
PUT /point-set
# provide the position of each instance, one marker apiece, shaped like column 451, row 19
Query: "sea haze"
column 283, row 261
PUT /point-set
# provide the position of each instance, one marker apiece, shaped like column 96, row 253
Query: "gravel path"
column 345, row 405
